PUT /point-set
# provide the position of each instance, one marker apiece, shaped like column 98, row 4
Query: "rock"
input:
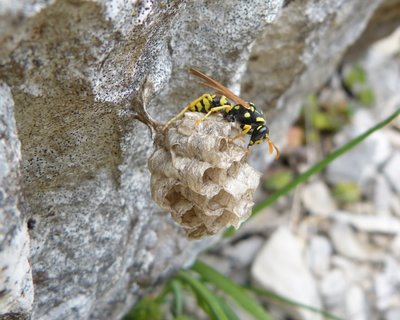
column 333, row 288
column 393, row 314
column 379, row 26
column 16, row 286
column 266, row 222
column 347, row 244
column 380, row 224
column 381, row 62
column 317, row 199
column 355, row 271
column 73, row 69
column 386, row 286
column 243, row 253
column 319, row 254
column 394, row 137
column 395, row 246
column 381, row 194
column 392, row 171
column 357, row 307
column 395, row 204
column 354, row 165
column 280, row 267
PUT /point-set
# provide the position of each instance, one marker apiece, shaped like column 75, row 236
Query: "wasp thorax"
column 201, row 177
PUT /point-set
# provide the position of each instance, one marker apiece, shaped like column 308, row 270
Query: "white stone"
column 380, row 224
column 394, row 137
column 387, row 283
column 393, row 314
column 395, row 246
column 317, row 199
column 347, row 244
column 382, row 63
column 360, row 163
column 244, row 252
column 356, row 304
column 382, row 194
column 280, row 267
column 395, row 204
column 392, row 171
column 319, row 254
column 333, row 288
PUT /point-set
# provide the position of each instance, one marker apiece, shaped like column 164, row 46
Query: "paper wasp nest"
column 201, row 177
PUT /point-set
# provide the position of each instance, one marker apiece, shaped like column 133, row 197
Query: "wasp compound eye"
column 201, row 177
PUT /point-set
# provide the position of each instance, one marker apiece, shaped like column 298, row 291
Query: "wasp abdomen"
column 206, row 102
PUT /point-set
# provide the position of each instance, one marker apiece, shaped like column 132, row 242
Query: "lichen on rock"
column 201, row 177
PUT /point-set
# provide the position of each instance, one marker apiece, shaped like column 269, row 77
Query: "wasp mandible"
column 251, row 120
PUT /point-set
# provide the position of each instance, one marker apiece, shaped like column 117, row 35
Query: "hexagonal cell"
column 201, row 177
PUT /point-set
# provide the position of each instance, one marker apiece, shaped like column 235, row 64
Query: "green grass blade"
column 177, row 302
column 322, row 164
column 227, row 309
column 278, row 298
column 204, row 294
column 232, row 289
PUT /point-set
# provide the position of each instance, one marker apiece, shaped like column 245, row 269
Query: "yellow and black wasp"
column 251, row 120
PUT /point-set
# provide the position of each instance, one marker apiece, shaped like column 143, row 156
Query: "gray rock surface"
column 16, row 287
column 97, row 239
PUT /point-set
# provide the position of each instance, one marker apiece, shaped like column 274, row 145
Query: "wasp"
column 251, row 120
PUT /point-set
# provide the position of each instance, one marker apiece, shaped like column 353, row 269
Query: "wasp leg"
column 212, row 110
column 248, row 151
column 245, row 129
column 180, row 114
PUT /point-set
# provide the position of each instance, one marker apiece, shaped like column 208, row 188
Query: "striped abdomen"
column 207, row 102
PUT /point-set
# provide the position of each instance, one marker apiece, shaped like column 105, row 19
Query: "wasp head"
column 261, row 134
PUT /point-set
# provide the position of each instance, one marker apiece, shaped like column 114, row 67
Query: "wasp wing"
column 208, row 85
column 219, row 88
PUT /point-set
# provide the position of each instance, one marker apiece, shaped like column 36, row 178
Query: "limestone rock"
column 16, row 287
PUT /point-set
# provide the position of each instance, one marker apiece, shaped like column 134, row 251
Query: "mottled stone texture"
column 16, row 289
column 97, row 239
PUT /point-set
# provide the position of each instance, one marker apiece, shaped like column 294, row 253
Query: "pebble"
column 347, row 244
column 379, row 224
column 244, row 252
column 319, row 254
column 317, row 199
column 392, row 171
column 280, row 267
column 333, row 287
column 381, row 194
column 395, row 204
column 355, row 165
column 394, row 137
column 393, row 314
column 395, row 247
column 387, row 283
column 356, row 304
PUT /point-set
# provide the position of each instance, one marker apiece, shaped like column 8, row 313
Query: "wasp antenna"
column 271, row 147
column 278, row 152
